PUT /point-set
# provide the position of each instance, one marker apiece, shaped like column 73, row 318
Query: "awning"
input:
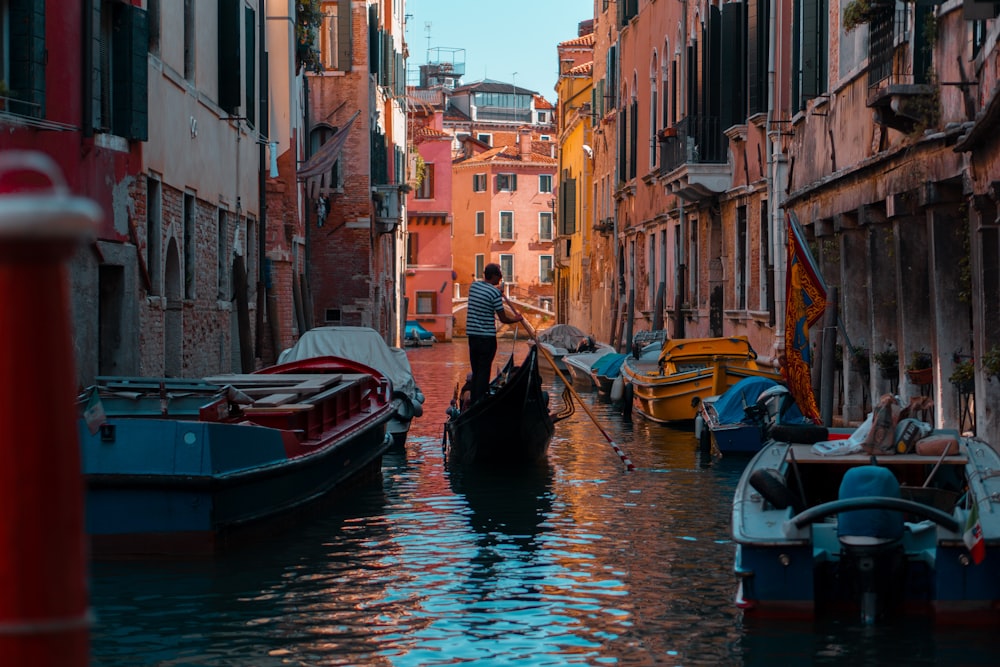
column 426, row 218
column 316, row 170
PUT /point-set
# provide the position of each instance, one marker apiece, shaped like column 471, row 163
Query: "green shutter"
column 374, row 35
column 732, row 76
column 230, row 63
column 130, row 114
column 344, row 36
column 813, row 55
column 27, row 58
column 250, row 30
column 569, row 224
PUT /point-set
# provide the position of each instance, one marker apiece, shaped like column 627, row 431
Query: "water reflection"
column 580, row 563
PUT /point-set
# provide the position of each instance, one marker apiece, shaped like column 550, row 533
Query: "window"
column 479, row 182
column 506, row 225
column 154, row 227
column 117, row 89
column 190, row 246
column 153, row 11
column 230, row 89
column 411, row 248
column 426, row 303
column 189, row 40
column 545, row 226
column 480, row 265
column 545, row 137
column 545, row 183
column 506, row 182
column 545, row 269
column 485, row 138
column 543, row 117
column 426, row 189
column 741, row 268
column 507, row 266
column 480, row 223
column 335, row 35
column 764, row 252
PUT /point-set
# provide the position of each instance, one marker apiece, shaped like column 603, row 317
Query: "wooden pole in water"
column 44, row 620
column 569, row 385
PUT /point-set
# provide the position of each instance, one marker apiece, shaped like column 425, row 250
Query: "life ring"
column 803, row 434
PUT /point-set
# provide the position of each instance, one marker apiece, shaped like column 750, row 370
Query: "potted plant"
column 919, row 369
column 991, row 362
column 888, row 363
column 860, row 362
column 964, row 376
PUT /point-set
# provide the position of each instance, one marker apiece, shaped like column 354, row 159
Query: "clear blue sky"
column 499, row 37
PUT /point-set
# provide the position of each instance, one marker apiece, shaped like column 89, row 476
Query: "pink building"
column 503, row 213
column 428, row 247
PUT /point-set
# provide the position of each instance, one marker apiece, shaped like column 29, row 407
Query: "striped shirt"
column 484, row 302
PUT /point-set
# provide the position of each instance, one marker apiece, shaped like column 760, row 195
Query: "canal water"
column 580, row 564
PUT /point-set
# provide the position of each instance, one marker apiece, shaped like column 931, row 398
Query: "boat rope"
column 568, row 409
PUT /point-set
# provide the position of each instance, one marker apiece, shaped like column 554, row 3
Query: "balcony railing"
column 693, row 140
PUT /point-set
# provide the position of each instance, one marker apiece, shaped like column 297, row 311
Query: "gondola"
column 510, row 426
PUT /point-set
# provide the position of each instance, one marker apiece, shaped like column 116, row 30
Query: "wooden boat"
column 366, row 345
column 870, row 536
column 510, row 426
column 578, row 366
column 687, row 371
column 560, row 340
column 738, row 421
column 181, row 466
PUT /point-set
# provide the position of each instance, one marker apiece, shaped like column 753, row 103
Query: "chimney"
column 524, row 139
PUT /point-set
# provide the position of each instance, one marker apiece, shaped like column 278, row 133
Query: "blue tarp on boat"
column 729, row 407
column 609, row 365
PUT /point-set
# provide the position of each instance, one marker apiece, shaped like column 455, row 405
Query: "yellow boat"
column 688, row 370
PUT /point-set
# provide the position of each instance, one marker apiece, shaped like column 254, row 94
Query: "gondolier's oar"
column 569, row 385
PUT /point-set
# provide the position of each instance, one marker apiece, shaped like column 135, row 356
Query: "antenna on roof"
column 427, row 29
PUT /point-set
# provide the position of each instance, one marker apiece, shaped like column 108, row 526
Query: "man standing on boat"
column 481, row 327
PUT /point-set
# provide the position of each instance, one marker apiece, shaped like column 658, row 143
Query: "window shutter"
column 757, row 47
column 130, row 116
column 813, row 63
column 230, row 63
column 633, row 126
column 344, row 34
column 732, row 78
column 250, row 30
column 374, row 47
column 570, row 222
column 513, row 182
column 27, row 58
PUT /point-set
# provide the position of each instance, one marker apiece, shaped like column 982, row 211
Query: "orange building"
column 502, row 203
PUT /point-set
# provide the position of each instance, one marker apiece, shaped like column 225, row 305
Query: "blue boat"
column 735, row 429
column 188, row 466
column 872, row 537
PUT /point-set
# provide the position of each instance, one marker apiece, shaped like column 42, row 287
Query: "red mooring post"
column 44, row 618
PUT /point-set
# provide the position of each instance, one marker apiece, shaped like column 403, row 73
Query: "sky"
column 499, row 37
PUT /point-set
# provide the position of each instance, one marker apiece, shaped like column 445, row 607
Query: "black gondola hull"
column 510, row 426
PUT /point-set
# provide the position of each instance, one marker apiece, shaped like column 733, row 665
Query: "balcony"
column 694, row 158
column 900, row 88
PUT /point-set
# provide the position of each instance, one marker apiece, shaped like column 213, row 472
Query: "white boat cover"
column 362, row 344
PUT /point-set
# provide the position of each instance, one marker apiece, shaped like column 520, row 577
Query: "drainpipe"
column 679, row 286
column 774, row 186
column 264, row 123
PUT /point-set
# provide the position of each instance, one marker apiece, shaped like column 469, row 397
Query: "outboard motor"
column 871, row 541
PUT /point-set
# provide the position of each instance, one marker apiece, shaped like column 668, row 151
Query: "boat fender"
column 545, row 399
column 418, row 408
column 770, row 484
column 627, row 392
column 699, row 424
column 617, row 388
column 404, row 410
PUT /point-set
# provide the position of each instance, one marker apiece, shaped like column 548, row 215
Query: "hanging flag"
column 973, row 536
column 93, row 414
column 805, row 301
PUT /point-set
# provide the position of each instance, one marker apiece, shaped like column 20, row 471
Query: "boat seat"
column 869, row 527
